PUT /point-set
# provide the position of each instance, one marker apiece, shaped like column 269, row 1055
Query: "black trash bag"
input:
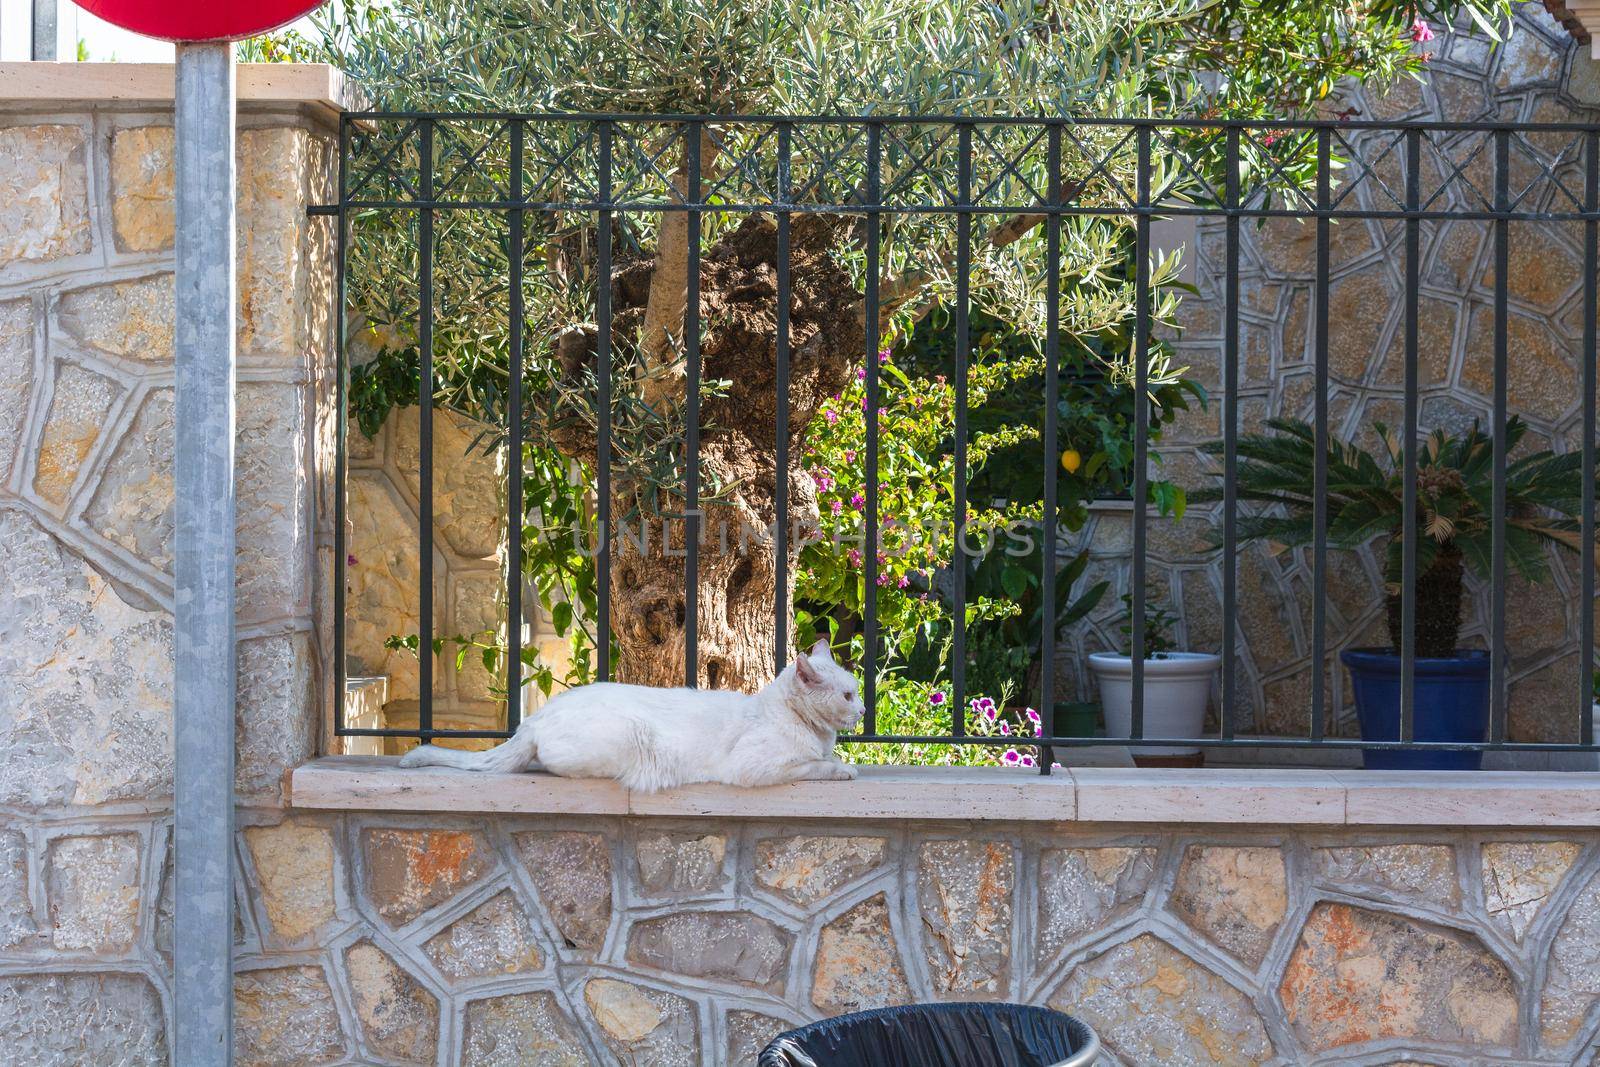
column 938, row 1035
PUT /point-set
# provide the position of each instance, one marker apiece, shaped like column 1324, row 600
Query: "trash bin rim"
column 1082, row 1057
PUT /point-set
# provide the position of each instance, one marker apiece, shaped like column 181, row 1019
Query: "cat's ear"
column 805, row 671
column 821, row 648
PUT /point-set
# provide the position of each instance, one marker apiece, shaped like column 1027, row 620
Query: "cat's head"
column 829, row 694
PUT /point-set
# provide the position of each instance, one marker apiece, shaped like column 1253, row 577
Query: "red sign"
column 199, row 20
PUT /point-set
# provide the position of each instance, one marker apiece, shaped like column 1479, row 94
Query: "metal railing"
column 602, row 168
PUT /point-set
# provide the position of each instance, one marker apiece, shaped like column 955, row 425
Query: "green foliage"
column 921, row 56
column 1158, row 623
column 1095, row 414
column 1002, row 649
column 1455, row 496
column 1004, row 612
column 1173, row 58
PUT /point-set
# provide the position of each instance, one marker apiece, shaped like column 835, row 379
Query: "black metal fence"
column 602, row 168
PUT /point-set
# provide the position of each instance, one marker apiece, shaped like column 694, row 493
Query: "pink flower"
column 904, row 582
column 849, row 455
column 883, row 355
column 831, row 415
column 837, row 506
column 936, row 697
column 1005, row 728
column 1421, row 31
column 350, row 560
column 1038, row 731
column 1027, row 761
column 855, row 557
column 861, row 375
column 1033, row 716
column 1011, row 756
column 856, row 500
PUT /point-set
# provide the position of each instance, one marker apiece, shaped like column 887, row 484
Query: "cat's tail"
column 517, row 754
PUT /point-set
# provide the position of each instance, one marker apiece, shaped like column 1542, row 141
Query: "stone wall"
column 512, row 940
column 1540, row 75
column 86, row 658
column 383, row 575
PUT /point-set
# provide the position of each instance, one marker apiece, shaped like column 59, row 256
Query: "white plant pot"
column 1177, row 688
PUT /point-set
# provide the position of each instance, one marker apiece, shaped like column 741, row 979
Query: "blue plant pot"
column 1451, row 703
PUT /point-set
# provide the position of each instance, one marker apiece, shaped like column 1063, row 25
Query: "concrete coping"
column 55, row 86
column 1251, row 796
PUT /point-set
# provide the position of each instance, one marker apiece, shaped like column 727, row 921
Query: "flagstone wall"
column 86, row 530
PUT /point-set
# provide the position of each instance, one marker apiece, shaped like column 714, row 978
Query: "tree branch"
column 895, row 293
column 669, row 284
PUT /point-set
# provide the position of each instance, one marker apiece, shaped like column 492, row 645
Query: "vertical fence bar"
column 691, row 355
column 425, row 432
column 958, row 663
column 1141, row 423
column 869, row 594
column 1497, row 519
column 1408, row 564
column 514, row 443
column 1052, row 395
column 602, row 373
column 341, row 455
column 1230, row 436
column 1319, row 505
column 1591, row 352
column 780, row 488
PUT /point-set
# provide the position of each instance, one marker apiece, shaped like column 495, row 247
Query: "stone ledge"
column 1084, row 794
column 56, row 85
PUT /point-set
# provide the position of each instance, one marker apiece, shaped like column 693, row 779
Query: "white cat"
column 652, row 739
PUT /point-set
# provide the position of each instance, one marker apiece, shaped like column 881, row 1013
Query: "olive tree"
column 1176, row 59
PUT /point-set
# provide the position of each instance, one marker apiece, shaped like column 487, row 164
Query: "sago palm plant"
column 1455, row 509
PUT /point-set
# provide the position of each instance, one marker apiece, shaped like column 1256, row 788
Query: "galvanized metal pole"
column 204, row 556
column 45, row 18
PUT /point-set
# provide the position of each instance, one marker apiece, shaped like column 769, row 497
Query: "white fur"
column 652, row 739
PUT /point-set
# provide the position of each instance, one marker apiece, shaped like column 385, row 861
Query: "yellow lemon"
column 1071, row 461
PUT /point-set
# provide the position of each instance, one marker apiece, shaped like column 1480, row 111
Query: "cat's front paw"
column 844, row 772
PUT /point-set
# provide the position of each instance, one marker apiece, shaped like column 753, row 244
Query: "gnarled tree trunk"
column 737, row 574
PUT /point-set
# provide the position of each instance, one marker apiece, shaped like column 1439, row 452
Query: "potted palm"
column 1454, row 531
